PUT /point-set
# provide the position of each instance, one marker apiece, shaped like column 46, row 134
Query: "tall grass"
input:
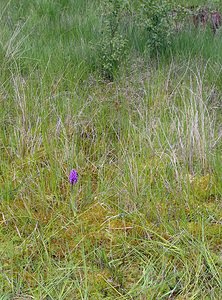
column 147, row 148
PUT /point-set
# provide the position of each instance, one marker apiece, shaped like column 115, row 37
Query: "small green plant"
column 155, row 18
column 112, row 46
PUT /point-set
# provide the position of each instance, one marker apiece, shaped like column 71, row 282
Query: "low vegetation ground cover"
column 146, row 143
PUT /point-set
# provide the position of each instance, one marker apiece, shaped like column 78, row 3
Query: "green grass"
column 147, row 148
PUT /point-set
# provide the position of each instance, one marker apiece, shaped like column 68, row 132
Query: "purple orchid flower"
column 73, row 177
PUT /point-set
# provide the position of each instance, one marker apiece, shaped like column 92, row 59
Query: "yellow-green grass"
column 147, row 148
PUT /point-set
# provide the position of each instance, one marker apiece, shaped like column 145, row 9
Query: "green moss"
column 203, row 186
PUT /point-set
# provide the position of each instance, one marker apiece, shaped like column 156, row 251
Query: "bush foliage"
column 151, row 18
column 157, row 21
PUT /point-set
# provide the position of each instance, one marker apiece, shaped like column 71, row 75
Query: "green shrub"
column 112, row 46
column 156, row 20
column 152, row 20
